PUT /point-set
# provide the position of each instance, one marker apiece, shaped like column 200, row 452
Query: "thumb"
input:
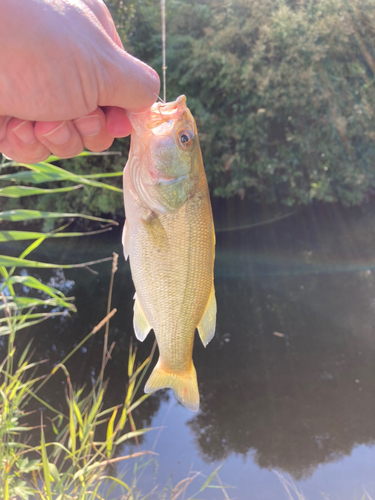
column 127, row 82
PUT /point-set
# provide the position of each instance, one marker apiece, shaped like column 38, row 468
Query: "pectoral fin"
column 140, row 322
column 156, row 232
column 125, row 239
column 206, row 326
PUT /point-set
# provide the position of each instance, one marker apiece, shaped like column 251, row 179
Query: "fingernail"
column 59, row 135
column 25, row 132
column 88, row 125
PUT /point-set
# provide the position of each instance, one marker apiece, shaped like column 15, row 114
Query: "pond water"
column 287, row 384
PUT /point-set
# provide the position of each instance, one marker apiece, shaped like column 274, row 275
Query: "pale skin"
column 65, row 79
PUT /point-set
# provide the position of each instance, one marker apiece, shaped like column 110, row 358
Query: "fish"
column 169, row 238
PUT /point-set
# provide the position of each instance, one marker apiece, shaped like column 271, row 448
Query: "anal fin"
column 206, row 326
column 125, row 240
column 184, row 384
column 140, row 322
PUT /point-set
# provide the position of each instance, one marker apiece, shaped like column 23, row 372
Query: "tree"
column 282, row 92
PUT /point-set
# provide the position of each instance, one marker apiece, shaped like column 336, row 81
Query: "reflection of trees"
column 309, row 397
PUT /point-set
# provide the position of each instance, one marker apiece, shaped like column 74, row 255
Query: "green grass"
column 75, row 464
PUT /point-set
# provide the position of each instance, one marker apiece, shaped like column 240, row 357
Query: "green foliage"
column 283, row 92
column 75, row 187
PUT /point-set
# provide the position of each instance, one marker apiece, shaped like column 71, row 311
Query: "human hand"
column 65, row 80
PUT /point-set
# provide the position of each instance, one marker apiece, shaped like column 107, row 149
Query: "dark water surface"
column 288, row 382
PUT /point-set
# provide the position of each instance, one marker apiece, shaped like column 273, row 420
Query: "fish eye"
column 185, row 138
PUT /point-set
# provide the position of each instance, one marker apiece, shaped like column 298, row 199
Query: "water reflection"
column 296, row 400
column 305, row 398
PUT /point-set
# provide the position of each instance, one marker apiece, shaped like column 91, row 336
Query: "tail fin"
column 184, row 385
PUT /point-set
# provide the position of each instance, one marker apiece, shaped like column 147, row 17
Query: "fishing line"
column 164, row 67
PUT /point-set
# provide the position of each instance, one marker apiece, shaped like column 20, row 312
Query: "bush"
column 282, row 92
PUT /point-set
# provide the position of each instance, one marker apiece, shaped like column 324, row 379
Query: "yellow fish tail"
column 184, row 385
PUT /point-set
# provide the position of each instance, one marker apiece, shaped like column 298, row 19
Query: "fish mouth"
column 170, row 107
column 162, row 113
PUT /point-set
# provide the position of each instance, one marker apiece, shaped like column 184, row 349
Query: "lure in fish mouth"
column 169, row 237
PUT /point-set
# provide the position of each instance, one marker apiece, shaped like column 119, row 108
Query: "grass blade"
column 95, row 408
column 110, row 436
column 7, row 261
column 27, row 302
column 6, row 330
column 22, row 215
column 210, row 478
column 72, row 429
column 29, row 249
column 31, row 235
column 132, row 434
column 47, row 172
column 52, row 158
column 46, row 473
column 21, row 191
column 31, row 282
column 124, row 485
column 78, row 413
